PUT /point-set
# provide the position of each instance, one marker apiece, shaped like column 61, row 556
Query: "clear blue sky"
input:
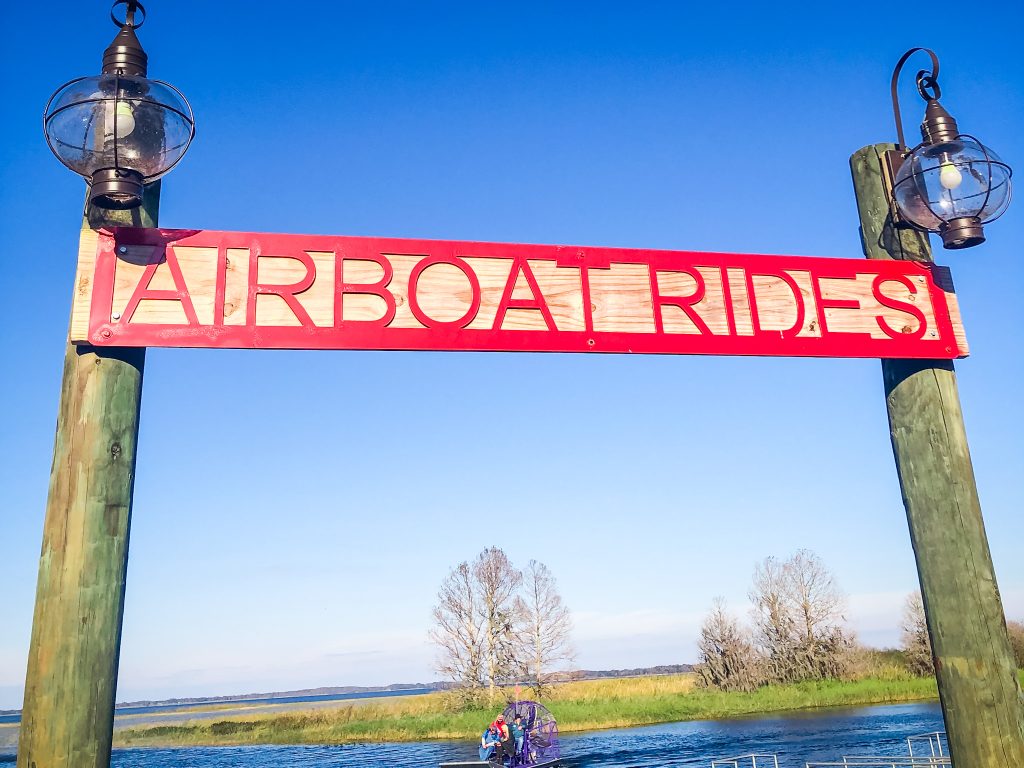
column 295, row 512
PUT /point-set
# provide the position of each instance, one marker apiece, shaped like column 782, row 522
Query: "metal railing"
column 880, row 761
column 935, row 743
column 747, row 761
column 930, row 748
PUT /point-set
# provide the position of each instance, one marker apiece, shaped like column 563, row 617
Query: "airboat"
column 540, row 748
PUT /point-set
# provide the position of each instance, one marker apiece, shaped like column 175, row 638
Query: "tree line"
column 495, row 625
column 797, row 632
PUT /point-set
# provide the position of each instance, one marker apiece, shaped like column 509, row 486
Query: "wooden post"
column 974, row 666
column 68, row 716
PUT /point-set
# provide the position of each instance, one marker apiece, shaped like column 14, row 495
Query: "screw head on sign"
column 122, row 249
column 105, row 333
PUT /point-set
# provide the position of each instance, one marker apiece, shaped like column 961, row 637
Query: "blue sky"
column 295, row 512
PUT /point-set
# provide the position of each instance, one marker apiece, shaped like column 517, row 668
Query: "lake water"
column 796, row 737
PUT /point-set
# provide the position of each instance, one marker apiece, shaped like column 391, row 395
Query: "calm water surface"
column 795, row 737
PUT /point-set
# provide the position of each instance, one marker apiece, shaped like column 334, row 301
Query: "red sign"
column 188, row 288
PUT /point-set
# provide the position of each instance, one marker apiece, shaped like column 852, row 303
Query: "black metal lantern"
column 119, row 130
column 950, row 183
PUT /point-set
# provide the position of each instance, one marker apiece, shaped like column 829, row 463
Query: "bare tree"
column 459, row 630
column 824, row 644
column 818, row 601
column 497, row 582
column 774, row 623
column 917, row 645
column 799, row 626
column 546, row 638
column 488, row 634
column 728, row 659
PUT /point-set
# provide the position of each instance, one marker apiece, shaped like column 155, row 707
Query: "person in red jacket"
column 506, row 745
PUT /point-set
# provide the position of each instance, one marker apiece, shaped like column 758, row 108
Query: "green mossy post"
column 974, row 666
column 68, row 715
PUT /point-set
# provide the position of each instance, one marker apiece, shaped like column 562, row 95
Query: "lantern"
column 950, row 183
column 119, row 130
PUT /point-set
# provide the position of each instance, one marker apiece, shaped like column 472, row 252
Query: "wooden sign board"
column 188, row 288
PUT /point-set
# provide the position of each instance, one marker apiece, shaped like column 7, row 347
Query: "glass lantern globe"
column 119, row 132
column 953, row 188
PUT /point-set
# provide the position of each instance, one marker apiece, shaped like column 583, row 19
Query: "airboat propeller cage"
column 540, row 740
column 119, row 131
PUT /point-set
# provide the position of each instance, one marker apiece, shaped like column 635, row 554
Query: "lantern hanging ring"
column 131, row 6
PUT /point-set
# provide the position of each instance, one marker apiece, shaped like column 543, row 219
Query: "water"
column 796, row 737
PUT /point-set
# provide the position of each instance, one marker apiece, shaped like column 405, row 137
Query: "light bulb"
column 126, row 123
column 125, row 119
column 950, row 176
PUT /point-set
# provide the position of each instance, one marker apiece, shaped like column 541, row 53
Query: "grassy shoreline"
column 582, row 706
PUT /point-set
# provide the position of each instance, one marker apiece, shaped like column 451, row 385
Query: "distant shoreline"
column 228, row 706
column 349, row 690
column 304, row 692
column 584, row 674
column 283, row 697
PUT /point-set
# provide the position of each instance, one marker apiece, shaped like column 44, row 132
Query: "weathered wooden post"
column 977, row 676
column 68, row 715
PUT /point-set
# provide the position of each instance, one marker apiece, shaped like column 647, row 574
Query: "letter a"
column 521, row 265
column 180, row 292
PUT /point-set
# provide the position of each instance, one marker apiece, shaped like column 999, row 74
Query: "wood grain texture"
column 80, row 300
column 977, row 676
column 944, row 280
column 68, row 715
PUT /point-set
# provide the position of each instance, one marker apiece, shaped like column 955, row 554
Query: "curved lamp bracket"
column 927, row 86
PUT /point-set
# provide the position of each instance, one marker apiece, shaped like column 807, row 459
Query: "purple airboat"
column 540, row 747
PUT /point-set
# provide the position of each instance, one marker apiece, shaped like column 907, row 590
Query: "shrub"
column 228, row 727
column 1016, row 631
